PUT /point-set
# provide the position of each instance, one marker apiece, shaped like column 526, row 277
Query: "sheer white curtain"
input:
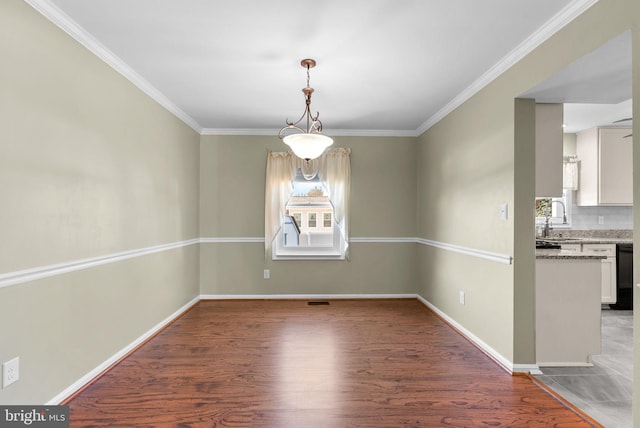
column 570, row 173
column 335, row 174
column 333, row 169
column 277, row 192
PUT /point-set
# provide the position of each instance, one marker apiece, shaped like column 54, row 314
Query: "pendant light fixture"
column 307, row 143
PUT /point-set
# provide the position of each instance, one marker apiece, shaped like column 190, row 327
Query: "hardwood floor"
column 352, row 363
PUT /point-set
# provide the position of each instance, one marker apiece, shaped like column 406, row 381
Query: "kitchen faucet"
column 547, row 218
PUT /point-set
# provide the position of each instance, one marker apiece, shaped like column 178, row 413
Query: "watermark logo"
column 34, row 416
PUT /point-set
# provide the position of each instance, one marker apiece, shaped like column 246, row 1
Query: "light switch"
column 504, row 211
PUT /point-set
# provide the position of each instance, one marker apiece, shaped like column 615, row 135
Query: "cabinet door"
column 549, row 150
column 608, row 269
column 608, row 287
column 616, row 167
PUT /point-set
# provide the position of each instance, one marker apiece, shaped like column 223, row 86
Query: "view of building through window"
column 312, row 212
column 306, row 213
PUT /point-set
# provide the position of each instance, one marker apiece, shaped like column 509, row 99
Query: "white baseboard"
column 96, row 372
column 89, row 377
column 533, row 369
column 304, row 296
column 492, row 353
column 565, row 364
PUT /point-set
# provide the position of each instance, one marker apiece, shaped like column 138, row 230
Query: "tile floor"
column 604, row 390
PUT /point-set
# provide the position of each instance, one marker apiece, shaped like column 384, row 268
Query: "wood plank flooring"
column 352, row 363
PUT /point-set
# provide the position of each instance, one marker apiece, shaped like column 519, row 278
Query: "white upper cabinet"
column 606, row 166
column 549, row 150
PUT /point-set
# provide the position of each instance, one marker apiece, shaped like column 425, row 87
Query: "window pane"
column 312, row 220
column 327, row 220
column 542, row 205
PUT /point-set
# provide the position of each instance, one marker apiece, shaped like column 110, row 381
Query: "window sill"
column 308, row 255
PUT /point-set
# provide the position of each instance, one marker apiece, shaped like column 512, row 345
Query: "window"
column 306, row 206
column 312, row 220
column 558, row 210
column 326, row 222
column 298, row 218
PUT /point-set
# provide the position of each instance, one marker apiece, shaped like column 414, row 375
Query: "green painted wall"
column 92, row 166
column 89, row 166
column 475, row 159
column 383, row 190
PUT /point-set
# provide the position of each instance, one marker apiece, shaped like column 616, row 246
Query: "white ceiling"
column 385, row 67
column 595, row 89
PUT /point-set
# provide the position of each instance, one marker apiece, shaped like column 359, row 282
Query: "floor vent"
column 318, row 303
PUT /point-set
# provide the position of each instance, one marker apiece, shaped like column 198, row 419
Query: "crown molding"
column 239, row 131
column 332, row 133
column 555, row 24
column 66, row 24
column 372, row 133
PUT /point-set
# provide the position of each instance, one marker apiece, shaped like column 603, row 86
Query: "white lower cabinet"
column 573, row 248
column 608, row 268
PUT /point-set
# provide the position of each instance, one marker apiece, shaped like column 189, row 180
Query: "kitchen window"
column 558, row 210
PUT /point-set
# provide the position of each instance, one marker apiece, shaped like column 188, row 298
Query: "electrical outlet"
column 600, row 219
column 10, row 372
column 462, row 297
column 267, row 274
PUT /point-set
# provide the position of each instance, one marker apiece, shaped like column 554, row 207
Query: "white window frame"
column 335, row 252
column 334, row 163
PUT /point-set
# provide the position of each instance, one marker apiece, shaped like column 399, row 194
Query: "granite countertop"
column 591, row 240
column 582, row 237
column 566, row 255
column 604, row 236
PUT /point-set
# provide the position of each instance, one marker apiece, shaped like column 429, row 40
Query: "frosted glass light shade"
column 308, row 146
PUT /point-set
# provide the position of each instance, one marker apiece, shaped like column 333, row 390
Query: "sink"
column 547, row 244
column 560, row 239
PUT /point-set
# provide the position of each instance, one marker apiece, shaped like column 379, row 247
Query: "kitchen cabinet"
column 567, row 304
column 606, row 167
column 549, row 137
column 573, row 248
column 607, row 273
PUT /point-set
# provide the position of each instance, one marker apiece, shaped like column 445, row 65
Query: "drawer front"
column 574, row 248
column 608, row 250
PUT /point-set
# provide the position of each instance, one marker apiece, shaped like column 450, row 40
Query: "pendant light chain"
column 307, row 143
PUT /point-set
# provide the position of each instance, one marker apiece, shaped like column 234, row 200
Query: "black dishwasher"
column 624, row 272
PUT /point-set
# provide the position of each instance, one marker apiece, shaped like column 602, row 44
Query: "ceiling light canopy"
column 307, row 143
